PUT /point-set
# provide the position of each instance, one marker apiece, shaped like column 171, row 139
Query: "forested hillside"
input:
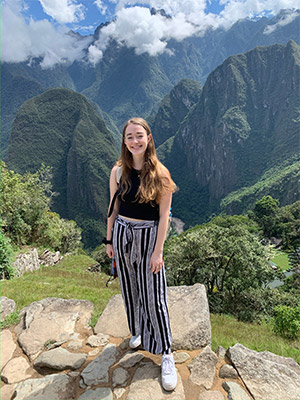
column 61, row 129
column 242, row 136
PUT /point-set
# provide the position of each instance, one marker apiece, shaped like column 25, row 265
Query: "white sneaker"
column 168, row 372
column 135, row 341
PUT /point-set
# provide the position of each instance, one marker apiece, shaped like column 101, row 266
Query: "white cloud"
column 21, row 41
column 94, row 54
column 101, row 6
column 63, row 11
column 285, row 20
column 136, row 27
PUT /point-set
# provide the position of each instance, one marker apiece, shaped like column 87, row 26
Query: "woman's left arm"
column 156, row 261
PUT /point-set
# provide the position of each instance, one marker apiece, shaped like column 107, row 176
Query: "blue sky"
column 40, row 28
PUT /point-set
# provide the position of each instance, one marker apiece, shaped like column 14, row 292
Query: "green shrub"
column 286, row 321
column 11, row 319
column 6, row 253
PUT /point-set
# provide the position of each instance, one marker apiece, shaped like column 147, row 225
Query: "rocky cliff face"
column 61, row 129
column 245, row 123
column 173, row 108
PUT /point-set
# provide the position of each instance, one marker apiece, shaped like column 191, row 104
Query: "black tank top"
column 131, row 208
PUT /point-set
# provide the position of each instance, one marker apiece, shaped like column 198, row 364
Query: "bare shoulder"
column 114, row 170
column 165, row 174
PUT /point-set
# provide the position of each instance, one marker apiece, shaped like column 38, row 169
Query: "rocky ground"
column 54, row 355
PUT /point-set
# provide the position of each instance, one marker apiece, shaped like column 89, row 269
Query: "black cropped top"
column 131, row 208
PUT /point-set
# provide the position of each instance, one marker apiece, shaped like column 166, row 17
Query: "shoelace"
column 167, row 365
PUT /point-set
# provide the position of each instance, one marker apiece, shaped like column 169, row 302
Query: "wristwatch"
column 105, row 241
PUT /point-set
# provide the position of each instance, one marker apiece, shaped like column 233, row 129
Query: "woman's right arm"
column 113, row 186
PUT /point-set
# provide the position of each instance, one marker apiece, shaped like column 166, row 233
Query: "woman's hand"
column 109, row 251
column 156, row 262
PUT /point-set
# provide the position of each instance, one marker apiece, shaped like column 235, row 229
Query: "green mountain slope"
column 173, row 109
column 60, row 128
column 245, row 124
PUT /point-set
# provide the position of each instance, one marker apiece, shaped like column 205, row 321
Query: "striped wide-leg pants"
column 144, row 293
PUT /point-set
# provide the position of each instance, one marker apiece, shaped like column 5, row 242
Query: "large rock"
column 27, row 262
column 130, row 359
column 54, row 387
column 97, row 340
column 113, row 320
column 49, row 258
column 51, row 319
column 7, row 347
column 266, row 375
column 15, row 370
column 146, row 384
column 60, row 359
column 97, row 371
column 7, row 391
column 203, row 368
column 189, row 317
column 7, row 307
column 235, row 391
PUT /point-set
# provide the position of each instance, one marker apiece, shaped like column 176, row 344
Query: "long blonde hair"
column 155, row 177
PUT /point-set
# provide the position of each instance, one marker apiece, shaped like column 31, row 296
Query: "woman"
column 136, row 231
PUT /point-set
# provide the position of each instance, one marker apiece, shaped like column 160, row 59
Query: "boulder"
column 97, row 371
column 120, row 377
column 146, row 384
column 113, row 320
column 189, row 317
column 7, row 347
column 54, row 387
column 130, row 359
column 60, row 359
column 27, row 262
column 181, row 357
column 49, row 258
column 15, row 370
column 235, row 391
column 51, row 320
column 7, row 391
column 97, row 340
column 266, row 375
column 203, row 368
column 8, row 306
column 228, row 372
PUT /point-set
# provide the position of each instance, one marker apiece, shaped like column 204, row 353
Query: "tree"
column 25, row 212
column 266, row 215
column 228, row 261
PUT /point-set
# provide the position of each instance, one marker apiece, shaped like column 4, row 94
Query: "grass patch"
column 11, row 319
column 69, row 279
column 227, row 331
column 281, row 259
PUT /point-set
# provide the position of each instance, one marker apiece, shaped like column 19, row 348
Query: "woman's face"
column 136, row 139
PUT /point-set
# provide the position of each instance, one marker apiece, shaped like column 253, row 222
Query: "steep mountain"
column 245, row 124
column 60, row 128
column 173, row 108
column 125, row 84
